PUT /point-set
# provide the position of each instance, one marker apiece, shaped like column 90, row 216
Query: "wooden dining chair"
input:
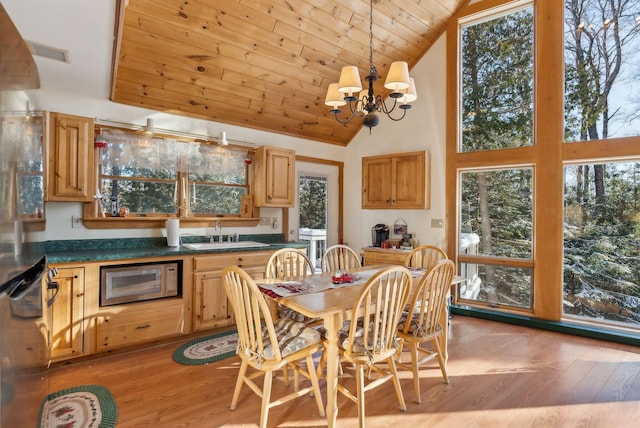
column 420, row 324
column 339, row 257
column 265, row 346
column 371, row 341
column 424, row 257
column 287, row 263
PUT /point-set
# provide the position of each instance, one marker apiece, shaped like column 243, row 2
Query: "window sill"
column 134, row 222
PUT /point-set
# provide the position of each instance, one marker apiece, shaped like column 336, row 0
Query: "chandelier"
column 402, row 86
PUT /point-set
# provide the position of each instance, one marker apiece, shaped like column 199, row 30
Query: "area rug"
column 87, row 406
column 207, row 349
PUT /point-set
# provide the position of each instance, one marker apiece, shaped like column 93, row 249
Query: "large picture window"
column 546, row 164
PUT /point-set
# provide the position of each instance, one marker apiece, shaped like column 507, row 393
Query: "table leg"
column 332, row 323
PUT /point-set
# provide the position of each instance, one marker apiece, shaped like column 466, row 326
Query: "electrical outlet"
column 437, row 222
column 76, row 222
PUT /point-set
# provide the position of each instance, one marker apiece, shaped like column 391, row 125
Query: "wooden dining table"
column 317, row 297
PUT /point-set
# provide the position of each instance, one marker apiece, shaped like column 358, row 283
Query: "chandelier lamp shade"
column 366, row 105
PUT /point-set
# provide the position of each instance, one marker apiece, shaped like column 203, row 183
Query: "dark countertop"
column 92, row 250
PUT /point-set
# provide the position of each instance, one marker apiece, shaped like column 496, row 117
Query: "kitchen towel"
column 173, row 232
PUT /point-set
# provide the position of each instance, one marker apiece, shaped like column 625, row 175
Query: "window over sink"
column 142, row 175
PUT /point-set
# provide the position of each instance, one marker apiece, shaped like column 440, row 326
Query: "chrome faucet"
column 219, row 228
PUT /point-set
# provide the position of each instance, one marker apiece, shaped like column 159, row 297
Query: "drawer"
column 138, row 326
column 220, row 261
column 384, row 258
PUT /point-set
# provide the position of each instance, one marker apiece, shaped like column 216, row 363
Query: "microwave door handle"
column 56, row 287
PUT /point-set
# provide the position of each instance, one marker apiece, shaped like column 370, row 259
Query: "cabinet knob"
column 142, row 327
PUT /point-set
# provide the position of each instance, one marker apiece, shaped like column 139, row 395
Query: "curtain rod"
column 134, row 127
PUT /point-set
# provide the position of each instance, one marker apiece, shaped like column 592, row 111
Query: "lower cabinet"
column 79, row 326
column 66, row 315
column 133, row 325
column 211, row 307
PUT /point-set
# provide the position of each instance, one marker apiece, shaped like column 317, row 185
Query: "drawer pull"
column 142, row 327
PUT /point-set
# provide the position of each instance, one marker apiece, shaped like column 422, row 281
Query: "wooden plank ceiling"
column 264, row 64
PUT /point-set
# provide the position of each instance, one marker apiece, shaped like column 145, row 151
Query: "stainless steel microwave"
column 138, row 282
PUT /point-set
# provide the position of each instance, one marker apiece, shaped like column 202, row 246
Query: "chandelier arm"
column 342, row 122
column 353, row 106
column 382, row 105
column 404, row 112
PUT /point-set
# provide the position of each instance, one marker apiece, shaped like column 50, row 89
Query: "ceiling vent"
column 48, row 52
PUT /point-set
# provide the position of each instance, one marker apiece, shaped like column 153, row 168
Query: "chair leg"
column 360, row 394
column 285, row 374
column 396, row 383
column 443, row 364
column 415, row 370
column 314, row 383
column 236, row 392
column 266, row 398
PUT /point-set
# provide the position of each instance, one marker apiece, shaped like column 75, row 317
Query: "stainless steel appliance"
column 379, row 234
column 23, row 330
column 139, row 281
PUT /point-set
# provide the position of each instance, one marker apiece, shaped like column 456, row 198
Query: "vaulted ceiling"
column 264, row 64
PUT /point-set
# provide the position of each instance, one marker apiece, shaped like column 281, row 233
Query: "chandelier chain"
column 371, row 33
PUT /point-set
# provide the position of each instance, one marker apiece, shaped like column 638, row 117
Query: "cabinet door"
column 71, row 157
column 211, row 304
column 408, row 172
column 274, row 177
column 376, row 182
column 66, row 315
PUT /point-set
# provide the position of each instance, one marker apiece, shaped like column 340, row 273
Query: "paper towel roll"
column 173, row 232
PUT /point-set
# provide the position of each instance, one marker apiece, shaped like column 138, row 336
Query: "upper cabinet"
column 273, row 179
column 396, row 181
column 71, row 158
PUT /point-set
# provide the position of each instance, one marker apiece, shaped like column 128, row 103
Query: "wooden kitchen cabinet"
column 66, row 315
column 71, row 159
column 396, row 181
column 274, row 177
column 211, row 307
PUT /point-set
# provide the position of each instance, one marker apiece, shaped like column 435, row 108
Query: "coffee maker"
column 379, row 234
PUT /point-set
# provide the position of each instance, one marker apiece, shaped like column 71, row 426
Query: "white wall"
column 422, row 129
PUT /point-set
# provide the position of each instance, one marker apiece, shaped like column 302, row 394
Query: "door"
column 330, row 173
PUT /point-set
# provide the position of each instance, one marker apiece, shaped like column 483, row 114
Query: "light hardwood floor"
column 501, row 376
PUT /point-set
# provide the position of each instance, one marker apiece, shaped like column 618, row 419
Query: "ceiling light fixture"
column 402, row 86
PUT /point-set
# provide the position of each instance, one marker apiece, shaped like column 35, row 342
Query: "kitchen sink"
column 224, row 245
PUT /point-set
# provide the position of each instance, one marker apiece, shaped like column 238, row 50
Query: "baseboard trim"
column 593, row 332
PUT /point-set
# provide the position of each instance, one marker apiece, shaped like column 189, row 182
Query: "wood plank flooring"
column 500, row 376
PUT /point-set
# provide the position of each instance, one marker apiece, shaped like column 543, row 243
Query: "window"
column 602, row 56
column 496, row 113
column 497, row 81
column 601, row 242
column 497, row 217
column 29, row 170
column 166, row 177
column 561, row 217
